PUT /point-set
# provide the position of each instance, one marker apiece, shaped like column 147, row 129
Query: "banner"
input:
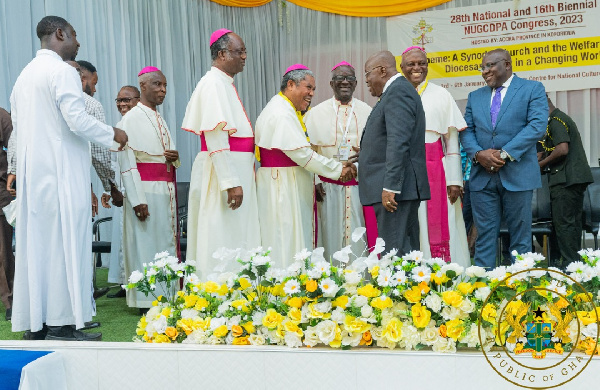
column 554, row 42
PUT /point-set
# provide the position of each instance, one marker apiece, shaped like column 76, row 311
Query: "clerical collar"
column 338, row 103
column 223, row 74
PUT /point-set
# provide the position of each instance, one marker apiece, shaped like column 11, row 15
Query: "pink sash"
column 236, row 144
column 156, row 172
column 437, row 206
column 368, row 212
column 275, row 158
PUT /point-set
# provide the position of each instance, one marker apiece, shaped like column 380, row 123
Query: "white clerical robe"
column 443, row 120
column 215, row 112
column 286, row 194
column 340, row 212
column 149, row 137
column 54, row 233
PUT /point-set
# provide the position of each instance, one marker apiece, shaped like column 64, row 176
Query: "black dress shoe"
column 8, row 314
column 68, row 333
column 39, row 335
column 100, row 292
column 120, row 294
column 90, row 325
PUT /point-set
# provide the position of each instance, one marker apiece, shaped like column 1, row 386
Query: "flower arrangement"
column 406, row 302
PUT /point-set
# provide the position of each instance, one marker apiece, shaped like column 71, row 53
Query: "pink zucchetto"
column 414, row 47
column 296, row 67
column 218, row 34
column 343, row 63
column 148, row 69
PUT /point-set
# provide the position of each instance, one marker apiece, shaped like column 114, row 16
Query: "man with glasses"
column 222, row 202
column 505, row 119
column 127, row 98
column 334, row 127
column 391, row 171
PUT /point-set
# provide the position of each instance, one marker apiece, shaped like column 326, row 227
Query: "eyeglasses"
column 239, row 53
column 125, row 100
column 339, row 79
column 380, row 66
column 490, row 65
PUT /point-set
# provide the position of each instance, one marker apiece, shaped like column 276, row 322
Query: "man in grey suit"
column 504, row 122
column 391, row 171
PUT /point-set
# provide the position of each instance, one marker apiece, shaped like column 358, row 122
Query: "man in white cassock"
column 52, row 290
column 148, row 165
column 334, row 127
column 222, row 209
column 441, row 226
column 285, row 181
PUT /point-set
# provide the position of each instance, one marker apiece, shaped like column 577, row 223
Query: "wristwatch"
column 504, row 156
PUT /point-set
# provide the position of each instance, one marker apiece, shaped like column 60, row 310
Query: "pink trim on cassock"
column 275, row 158
column 156, row 172
column 236, row 144
column 368, row 213
column 437, row 206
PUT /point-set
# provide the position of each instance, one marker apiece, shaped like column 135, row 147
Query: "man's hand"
column 120, row 137
column 9, row 184
column 171, row 155
column 104, row 200
column 348, row 172
column 454, row 192
column 141, row 212
column 354, row 157
column 388, row 201
column 540, row 156
column 116, row 195
column 490, row 160
column 94, row 205
column 235, row 196
column 319, row 192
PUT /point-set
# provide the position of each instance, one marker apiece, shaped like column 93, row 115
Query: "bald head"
column 153, row 88
column 379, row 68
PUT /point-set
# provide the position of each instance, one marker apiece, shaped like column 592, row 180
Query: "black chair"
column 591, row 206
column 183, row 190
column 98, row 246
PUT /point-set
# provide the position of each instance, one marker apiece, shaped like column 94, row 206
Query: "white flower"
column 471, row 338
column 358, row 300
column 421, row 273
column 292, row 340
column 161, row 255
column 343, row 255
column 475, row 272
column 189, row 313
column 410, row 337
column 429, row 335
column 317, row 255
column 192, row 278
column 467, row 306
column 235, row 320
column 214, row 340
column 444, row 345
column 458, row 269
column 291, row 287
column 135, row 277
column 416, row 256
column 351, row 339
column 358, row 233
column 398, row 278
column 160, row 325
column 338, row 315
column 256, row 339
column 198, row 336
column 153, row 312
column 384, row 278
column 434, row 302
column 295, row 268
column 482, row 293
column 435, row 261
column 557, row 287
column 451, row 313
column 329, row 288
column 352, row 277
column 323, row 307
column 190, row 263
column 379, row 246
column 372, row 260
column 311, row 338
column 259, row 260
column 216, row 322
column 498, row 273
column 302, row 255
column 172, row 260
column 590, row 330
column 319, row 269
column 326, row 331
column 151, row 272
column 366, row 311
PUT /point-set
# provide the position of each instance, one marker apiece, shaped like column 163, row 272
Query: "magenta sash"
column 368, row 213
column 275, row 158
column 156, row 172
column 236, row 144
column 437, row 206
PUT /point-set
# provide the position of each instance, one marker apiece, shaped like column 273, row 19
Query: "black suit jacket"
column 392, row 148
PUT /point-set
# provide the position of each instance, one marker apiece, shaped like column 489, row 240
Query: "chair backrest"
column 593, row 197
column 541, row 208
column 183, row 191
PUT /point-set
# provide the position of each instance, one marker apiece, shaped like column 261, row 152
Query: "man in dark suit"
column 504, row 122
column 391, row 171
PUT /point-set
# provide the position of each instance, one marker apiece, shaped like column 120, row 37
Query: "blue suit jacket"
column 521, row 122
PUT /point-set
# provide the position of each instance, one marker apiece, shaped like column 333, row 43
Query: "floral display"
column 389, row 301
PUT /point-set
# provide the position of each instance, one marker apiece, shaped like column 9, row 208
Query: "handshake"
column 349, row 172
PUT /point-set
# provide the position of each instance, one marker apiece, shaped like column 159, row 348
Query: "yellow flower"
column 341, row 301
column 465, row 288
column 452, row 298
column 294, row 302
column 356, row 325
column 223, row 289
column 500, row 338
column 420, row 315
column 443, row 330
column 240, row 304
column 180, row 293
column 154, row 303
column 439, row 279
column 236, row 330
column 221, row 331
column 272, row 319
column 204, row 323
column 381, row 302
column 171, row 332
column 188, row 325
column 201, row 304
column 240, row 341
column 368, row 291
column 587, row 317
column 337, row 341
column 166, row 311
column 295, row 315
column 424, row 287
column 292, row 327
column 489, row 313
column 454, row 328
column 159, row 298
column 317, row 314
column 211, row 287
column 479, row 284
column 413, row 295
column 162, row 338
column 311, row 285
column 514, row 306
column 249, row 327
column 244, row 283
column 278, row 291
column 367, row 339
column 583, row 297
column 562, row 303
column 375, row 271
column 392, row 331
column 190, row 300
